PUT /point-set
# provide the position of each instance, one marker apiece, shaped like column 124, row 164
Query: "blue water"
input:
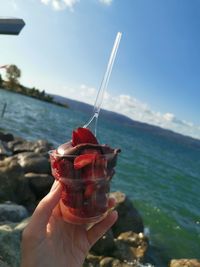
column 161, row 176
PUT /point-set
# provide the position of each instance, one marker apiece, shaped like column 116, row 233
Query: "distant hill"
column 124, row 120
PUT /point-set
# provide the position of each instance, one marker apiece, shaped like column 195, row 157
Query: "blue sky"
column 65, row 45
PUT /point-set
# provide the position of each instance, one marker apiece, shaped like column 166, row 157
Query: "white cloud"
column 83, row 93
column 169, row 116
column 106, row 2
column 61, row 4
column 134, row 109
column 45, row 2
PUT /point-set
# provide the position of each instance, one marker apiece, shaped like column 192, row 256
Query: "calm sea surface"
column 161, row 176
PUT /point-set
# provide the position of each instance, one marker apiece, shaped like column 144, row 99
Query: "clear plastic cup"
column 85, row 192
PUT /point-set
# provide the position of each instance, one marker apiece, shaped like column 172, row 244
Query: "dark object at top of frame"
column 11, row 26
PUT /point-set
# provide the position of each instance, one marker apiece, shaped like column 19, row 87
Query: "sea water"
column 160, row 175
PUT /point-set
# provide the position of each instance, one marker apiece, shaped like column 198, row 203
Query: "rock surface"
column 33, row 162
column 131, row 246
column 3, row 264
column 10, row 240
column 25, row 174
column 105, row 244
column 39, row 183
column 185, row 263
column 129, row 218
column 11, row 174
column 12, row 212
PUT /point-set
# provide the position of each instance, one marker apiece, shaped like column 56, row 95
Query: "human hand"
column 48, row 241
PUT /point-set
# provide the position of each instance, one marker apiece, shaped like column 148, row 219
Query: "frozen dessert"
column 85, row 168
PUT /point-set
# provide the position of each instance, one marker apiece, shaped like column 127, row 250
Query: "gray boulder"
column 16, row 141
column 42, row 146
column 105, row 244
column 4, row 151
column 11, row 173
column 26, row 196
column 12, row 212
column 6, row 137
column 40, row 184
column 10, row 242
column 34, row 162
column 19, row 145
column 3, row 264
column 22, row 146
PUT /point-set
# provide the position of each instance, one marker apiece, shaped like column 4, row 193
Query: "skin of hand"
column 49, row 241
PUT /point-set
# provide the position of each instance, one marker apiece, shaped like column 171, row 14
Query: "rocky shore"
column 25, row 178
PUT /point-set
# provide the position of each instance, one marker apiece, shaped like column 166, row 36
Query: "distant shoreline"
column 33, row 93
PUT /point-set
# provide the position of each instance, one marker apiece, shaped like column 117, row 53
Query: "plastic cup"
column 85, row 191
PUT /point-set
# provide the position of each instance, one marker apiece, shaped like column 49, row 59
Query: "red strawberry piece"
column 95, row 170
column 75, row 139
column 91, row 173
column 83, row 135
column 63, row 168
column 87, row 173
column 78, row 201
column 90, row 189
column 72, row 199
column 66, row 195
column 67, row 199
column 83, row 160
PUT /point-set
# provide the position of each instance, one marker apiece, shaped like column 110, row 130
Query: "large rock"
column 40, row 184
column 185, row 263
column 23, row 146
column 3, row 264
column 4, row 151
column 34, row 162
column 19, row 145
column 129, row 218
column 11, row 173
column 42, row 146
column 6, row 137
column 26, row 196
column 12, row 212
column 10, row 242
column 130, row 246
column 92, row 260
column 113, row 262
column 110, row 262
column 105, row 244
column 16, row 141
